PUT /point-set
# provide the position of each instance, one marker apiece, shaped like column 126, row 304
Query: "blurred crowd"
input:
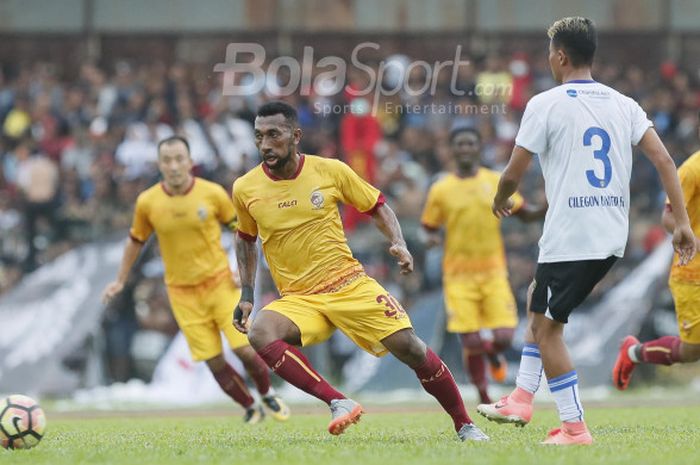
column 75, row 153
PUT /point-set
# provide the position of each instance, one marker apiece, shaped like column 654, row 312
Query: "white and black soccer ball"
column 22, row 422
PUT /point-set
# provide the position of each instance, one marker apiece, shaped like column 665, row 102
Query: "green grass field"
column 623, row 436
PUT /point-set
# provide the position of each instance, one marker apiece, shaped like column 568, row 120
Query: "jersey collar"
column 172, row 194
column 581, row 81
column 269, row 174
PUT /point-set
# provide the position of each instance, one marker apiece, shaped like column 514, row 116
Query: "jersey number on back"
column 600, row 154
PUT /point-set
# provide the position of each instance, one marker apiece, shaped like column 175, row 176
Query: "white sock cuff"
column 632, row 353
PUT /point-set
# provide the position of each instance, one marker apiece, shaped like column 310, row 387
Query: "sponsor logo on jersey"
column 287, row 204
column 571, row 92
column 587, row 201
column 317, row 199
column 595, row 93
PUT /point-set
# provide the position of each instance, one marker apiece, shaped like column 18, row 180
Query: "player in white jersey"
column 583, row 133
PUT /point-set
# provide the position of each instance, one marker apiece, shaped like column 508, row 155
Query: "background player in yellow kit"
column 186, row 214
column 684, row 282
column 475, row 275
column 290, row 201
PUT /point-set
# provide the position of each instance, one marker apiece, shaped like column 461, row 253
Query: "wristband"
column 247, row 294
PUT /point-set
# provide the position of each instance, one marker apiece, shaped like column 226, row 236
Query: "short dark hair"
column 577, row 36
column 171, row 139
column 277, row 107
column 462, row 129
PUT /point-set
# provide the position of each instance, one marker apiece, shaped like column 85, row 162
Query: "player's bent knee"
column 502, row 343
column 247, row 354
column 471, row 340
column 270, row 326
column 407, row 347
column 260, row 337
column 413, row 356
column 535, row 329
column 503, row 338
column 544, row 329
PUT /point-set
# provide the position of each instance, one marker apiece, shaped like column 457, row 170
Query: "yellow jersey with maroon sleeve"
column 473, row 242
column 689, row 174
column 188, row 228
column 684, row 281
column 299, row 225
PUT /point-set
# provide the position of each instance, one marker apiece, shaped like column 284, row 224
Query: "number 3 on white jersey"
column 600, row 154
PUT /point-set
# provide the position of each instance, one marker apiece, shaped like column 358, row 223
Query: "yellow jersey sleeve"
column 433, row 215
column 225, row 213
column 354, row 190
column 247, row 227
column 689, row 181
column 689, row 174
column 141, row 227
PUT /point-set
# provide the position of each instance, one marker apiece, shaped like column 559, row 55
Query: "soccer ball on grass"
column 22, row 422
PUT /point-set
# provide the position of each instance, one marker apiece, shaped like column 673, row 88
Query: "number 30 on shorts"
column 600, row 154
column 394, row 308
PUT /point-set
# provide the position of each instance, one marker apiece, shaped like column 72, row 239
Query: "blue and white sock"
column 530, row 371
column 564, row 389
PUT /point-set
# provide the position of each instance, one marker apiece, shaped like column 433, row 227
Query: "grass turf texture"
column 623, row 436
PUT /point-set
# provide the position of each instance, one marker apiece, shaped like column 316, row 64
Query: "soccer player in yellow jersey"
column 475, row 275
column 186, row 214
column 684, row 282
column 291, row 202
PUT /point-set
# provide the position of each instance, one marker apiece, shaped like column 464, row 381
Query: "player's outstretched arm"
column 683, row 237
column 388, row 224
column 131, row 253
column 510, row 179
column 247, row 257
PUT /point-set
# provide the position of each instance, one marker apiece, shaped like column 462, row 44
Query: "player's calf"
column 433, row 374
column 232, row 383
column 474, row 353
column 292, row 366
